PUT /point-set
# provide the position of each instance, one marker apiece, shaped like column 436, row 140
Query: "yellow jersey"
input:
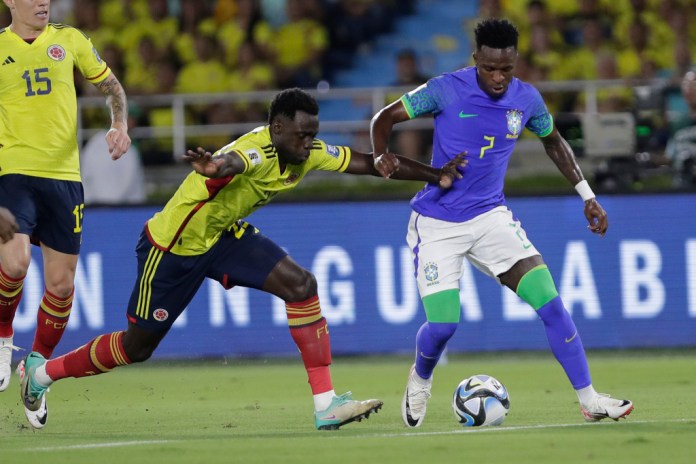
column 38, row 104
column 202, row 209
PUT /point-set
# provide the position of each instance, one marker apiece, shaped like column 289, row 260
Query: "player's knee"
column 139, row 346
column 16, row 268
column 62, row 289
column 302, row 287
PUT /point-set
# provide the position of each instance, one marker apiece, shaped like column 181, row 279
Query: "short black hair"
column 289, row 101
column 496, row 33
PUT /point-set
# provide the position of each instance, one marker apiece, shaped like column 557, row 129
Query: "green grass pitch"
column 260, row 411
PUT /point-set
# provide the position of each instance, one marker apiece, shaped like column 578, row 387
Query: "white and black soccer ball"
column 480, row 400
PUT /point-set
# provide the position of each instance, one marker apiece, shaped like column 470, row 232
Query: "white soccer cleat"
column 415, row 399
column 604, row 406
column 6, row 348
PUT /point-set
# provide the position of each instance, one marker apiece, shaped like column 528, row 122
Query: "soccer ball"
column 480, row 400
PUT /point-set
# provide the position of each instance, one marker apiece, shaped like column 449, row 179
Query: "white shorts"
column 493, row 242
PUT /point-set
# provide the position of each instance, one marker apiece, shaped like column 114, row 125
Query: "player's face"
column 494, row 67
column 293, row 138
column 29, row 15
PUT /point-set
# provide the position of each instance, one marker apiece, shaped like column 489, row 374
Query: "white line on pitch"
column 113, row 444
column 507, row 429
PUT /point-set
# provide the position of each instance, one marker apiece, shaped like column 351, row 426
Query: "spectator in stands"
column 194, row 17
column 681, row 147
column 299, row 46
column 584, row 57
column 247, row 25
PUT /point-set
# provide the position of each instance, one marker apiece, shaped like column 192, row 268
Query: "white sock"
column 586, row 395
column 323, row 400
column 41, row 377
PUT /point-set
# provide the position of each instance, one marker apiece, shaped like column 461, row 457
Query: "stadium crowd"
column 210, row 46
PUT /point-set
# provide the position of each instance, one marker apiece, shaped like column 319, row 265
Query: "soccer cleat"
column 415, row 399
column 6, row 348
column 33, row 395
column 344, row 410
column 603, row 406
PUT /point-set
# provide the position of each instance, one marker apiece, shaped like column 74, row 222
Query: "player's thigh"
column 245, row 257
column 438, row 249
column 60, row 206
column 18, row 194
column 500, row 242
column 165, row 285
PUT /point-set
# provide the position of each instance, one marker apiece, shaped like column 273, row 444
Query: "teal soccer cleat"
column 344, row 410
column 33, row 395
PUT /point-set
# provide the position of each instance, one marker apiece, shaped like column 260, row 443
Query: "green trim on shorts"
column 536, row 287
column 443, row 306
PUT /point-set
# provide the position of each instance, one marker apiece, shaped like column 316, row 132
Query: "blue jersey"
column 468, row 119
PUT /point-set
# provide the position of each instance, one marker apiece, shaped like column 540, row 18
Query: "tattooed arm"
column 117, row 138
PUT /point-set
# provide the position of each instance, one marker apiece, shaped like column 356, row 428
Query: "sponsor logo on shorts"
column 160, row 314
column 431, row 273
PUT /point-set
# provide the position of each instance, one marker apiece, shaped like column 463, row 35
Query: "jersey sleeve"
column 87, row 59
column 251, row 155
column 430, row 97
column 541, row 121
column 325, row 157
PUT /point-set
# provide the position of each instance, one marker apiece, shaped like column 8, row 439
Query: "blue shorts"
column 167, row 282
column 48, row 210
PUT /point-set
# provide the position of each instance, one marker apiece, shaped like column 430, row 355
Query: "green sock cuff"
column 536, row 287
column 443, row 306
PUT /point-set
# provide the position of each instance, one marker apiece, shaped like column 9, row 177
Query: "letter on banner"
column 577, row 281
column 337, row 298
column 387, row 301
column 237, row 299
column 89, row 294
column 691, row 276
column 468, row 296
column 643, row 291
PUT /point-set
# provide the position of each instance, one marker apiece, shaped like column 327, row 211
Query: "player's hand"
column 450, row 171
column 597, row 217
column 118, row 141
column 203, row 163
column 386, row 164
column 8, row 225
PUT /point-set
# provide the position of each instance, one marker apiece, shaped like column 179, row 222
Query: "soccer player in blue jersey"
column 482, row 110
column 40, row 165
column 201, row 234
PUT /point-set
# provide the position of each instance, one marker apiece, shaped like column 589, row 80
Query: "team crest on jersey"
column 160, row 314
column 332, row 150
column 254, row 156
column 96, row 55
column 431, row 273
column 56, row 52
column 514, row 123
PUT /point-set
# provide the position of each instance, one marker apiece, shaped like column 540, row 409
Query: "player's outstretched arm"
column 562, row 155
column 220, row 165
column 409, row 169
column 117, row 138
column 8, row 225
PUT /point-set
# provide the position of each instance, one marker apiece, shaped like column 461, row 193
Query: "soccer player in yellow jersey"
column 201, row 233
column 39, row 162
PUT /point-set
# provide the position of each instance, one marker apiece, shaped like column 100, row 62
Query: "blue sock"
column 565, row 342
column 431, row 341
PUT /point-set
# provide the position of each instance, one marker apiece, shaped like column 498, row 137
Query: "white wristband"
column 584, row 190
